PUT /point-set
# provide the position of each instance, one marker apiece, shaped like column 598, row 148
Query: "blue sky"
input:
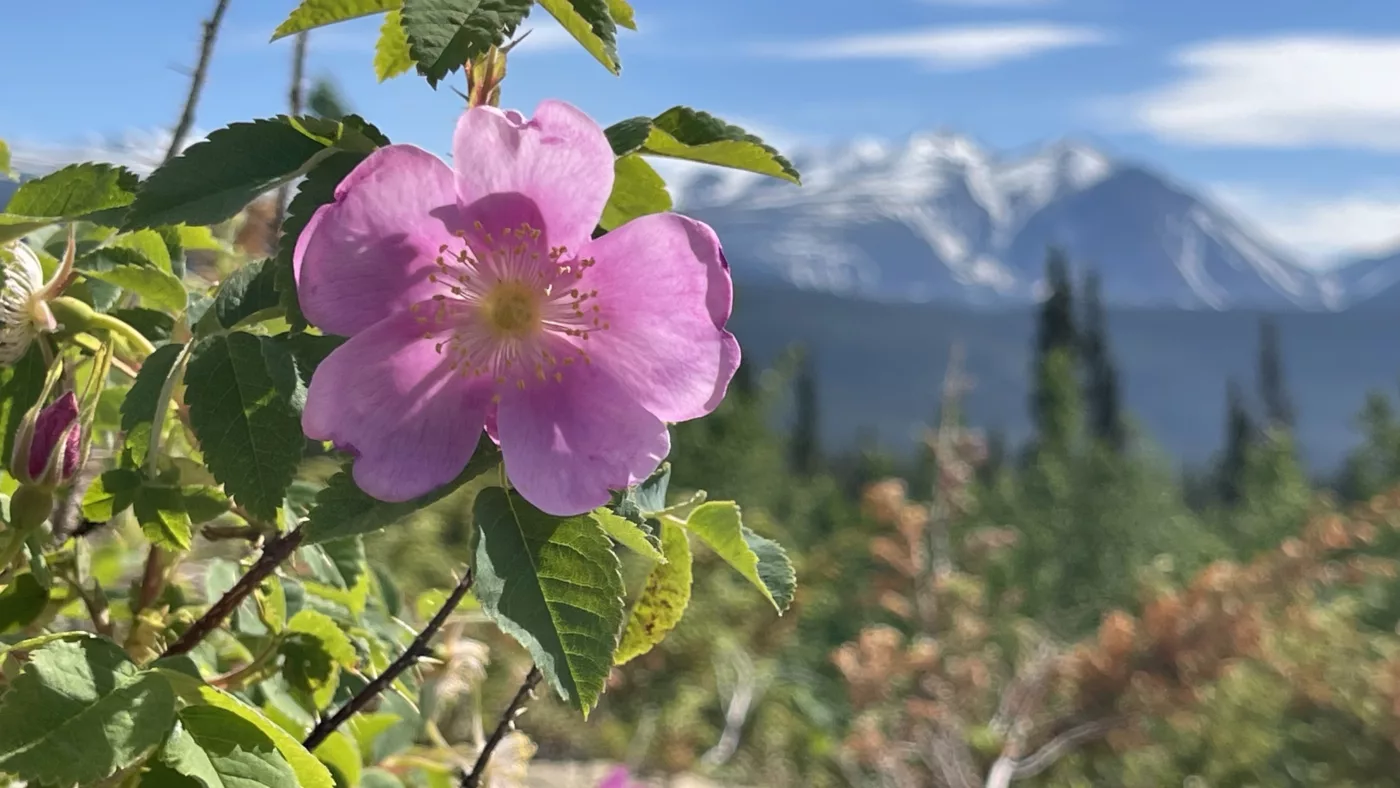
column 1286, row 110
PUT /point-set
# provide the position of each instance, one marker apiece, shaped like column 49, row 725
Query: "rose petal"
column 666, row 293
column 566, row 444
column 368, row 254
column 388, row 397
column 559, row 159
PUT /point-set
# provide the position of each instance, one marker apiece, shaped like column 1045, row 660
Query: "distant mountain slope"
column 939, row 219
column 879, row 365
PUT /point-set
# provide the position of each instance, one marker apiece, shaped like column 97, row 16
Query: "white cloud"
column 1323, row 229
column 141, row 150
column 958, row 47
column 1280, row 92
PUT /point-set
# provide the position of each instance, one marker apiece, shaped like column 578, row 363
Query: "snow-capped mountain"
column 939, row 218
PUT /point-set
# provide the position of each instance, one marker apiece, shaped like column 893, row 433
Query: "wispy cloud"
column 1323, row 228
column 959, row 47
column 1295, row 91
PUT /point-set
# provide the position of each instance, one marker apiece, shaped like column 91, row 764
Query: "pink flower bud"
column 49, row 445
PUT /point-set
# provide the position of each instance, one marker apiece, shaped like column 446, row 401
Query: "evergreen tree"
column 1101, row 376
column 1240, row 436
column 1273, row 391
column 326, row 100
column 1055, row 338
column 805, row 443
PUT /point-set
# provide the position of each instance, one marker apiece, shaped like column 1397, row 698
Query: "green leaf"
column 110, row 494
column 20, row 386
column 217, row 748
column 131, row 270
column 628, row 136
column 637, row 191
column 150, row 244
column 315, row 650
column 685, row 133
column 78, row 191
column 342, row 756
column 590, row 22
column 203, row 503
column 640, row 501
column 629, row 534
column 153, row 324
column 664, row 600
column 248, row 294
column 21, row 602
column 5, row 170
column 555, row 586
column 392, row 56
column 79, row 711
column 309, row 771
column 761, row 561
column 316, row 190
column 444, row 34
column 161, row 512
column 197, row 237
column 319, row 13
column 249, row 432
column 343, row 509
column 622, row 13
column 214, row 179
column 140, row 403
column 379, row 778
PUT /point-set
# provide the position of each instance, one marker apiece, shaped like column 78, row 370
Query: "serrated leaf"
column 216, row 748
column 316, row 190
column 203, row 503
column 81, row 697
column 110, row 494
column 312, row 14
column 21, row 602
column 761, row 561
column 214, row 179
column 444, row 34
column 342, row 756
column 309, row 771
column 197, row 237
column 685, row 133
column 343, row 510
column 161, row 512
column 150, row 244
column 130, row 270
column 555, row 586
column 629, row 534
column 628, row 136
column 95, row 192
column 638, row 190
column 622, row 13
column 248, row 294
column 391, row 53
column 153, row 324
column 663, row 602
column 315, row 651
column 248, row 431
column 20, row 386
column 271, row 598
column 590, row 22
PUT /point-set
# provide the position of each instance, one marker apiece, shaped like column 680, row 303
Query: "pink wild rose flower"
column 474, row 297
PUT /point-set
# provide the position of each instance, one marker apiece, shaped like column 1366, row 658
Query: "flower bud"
column 48, row 447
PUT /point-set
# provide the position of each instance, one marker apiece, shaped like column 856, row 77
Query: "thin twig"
column 406, row 660
column 294, row 105
column 273, row 555
column 515, row 709
column 206, row 53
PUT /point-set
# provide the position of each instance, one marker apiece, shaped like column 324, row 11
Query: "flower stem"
column 406, row 660
column 135, row 339
column 473, row 778
column 273, row 555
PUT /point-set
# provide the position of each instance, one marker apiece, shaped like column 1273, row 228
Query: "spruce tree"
column 1240, row 437
column 1273, row 391
column 1055, row 347
column 805, row 443
column 1101, row 392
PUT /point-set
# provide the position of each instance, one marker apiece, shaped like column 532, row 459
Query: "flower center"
column 512, row 309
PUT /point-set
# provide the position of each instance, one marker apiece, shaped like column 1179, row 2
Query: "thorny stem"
column 274, row 553
column 206, row 53
column 406, row 660
column 473, row 778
